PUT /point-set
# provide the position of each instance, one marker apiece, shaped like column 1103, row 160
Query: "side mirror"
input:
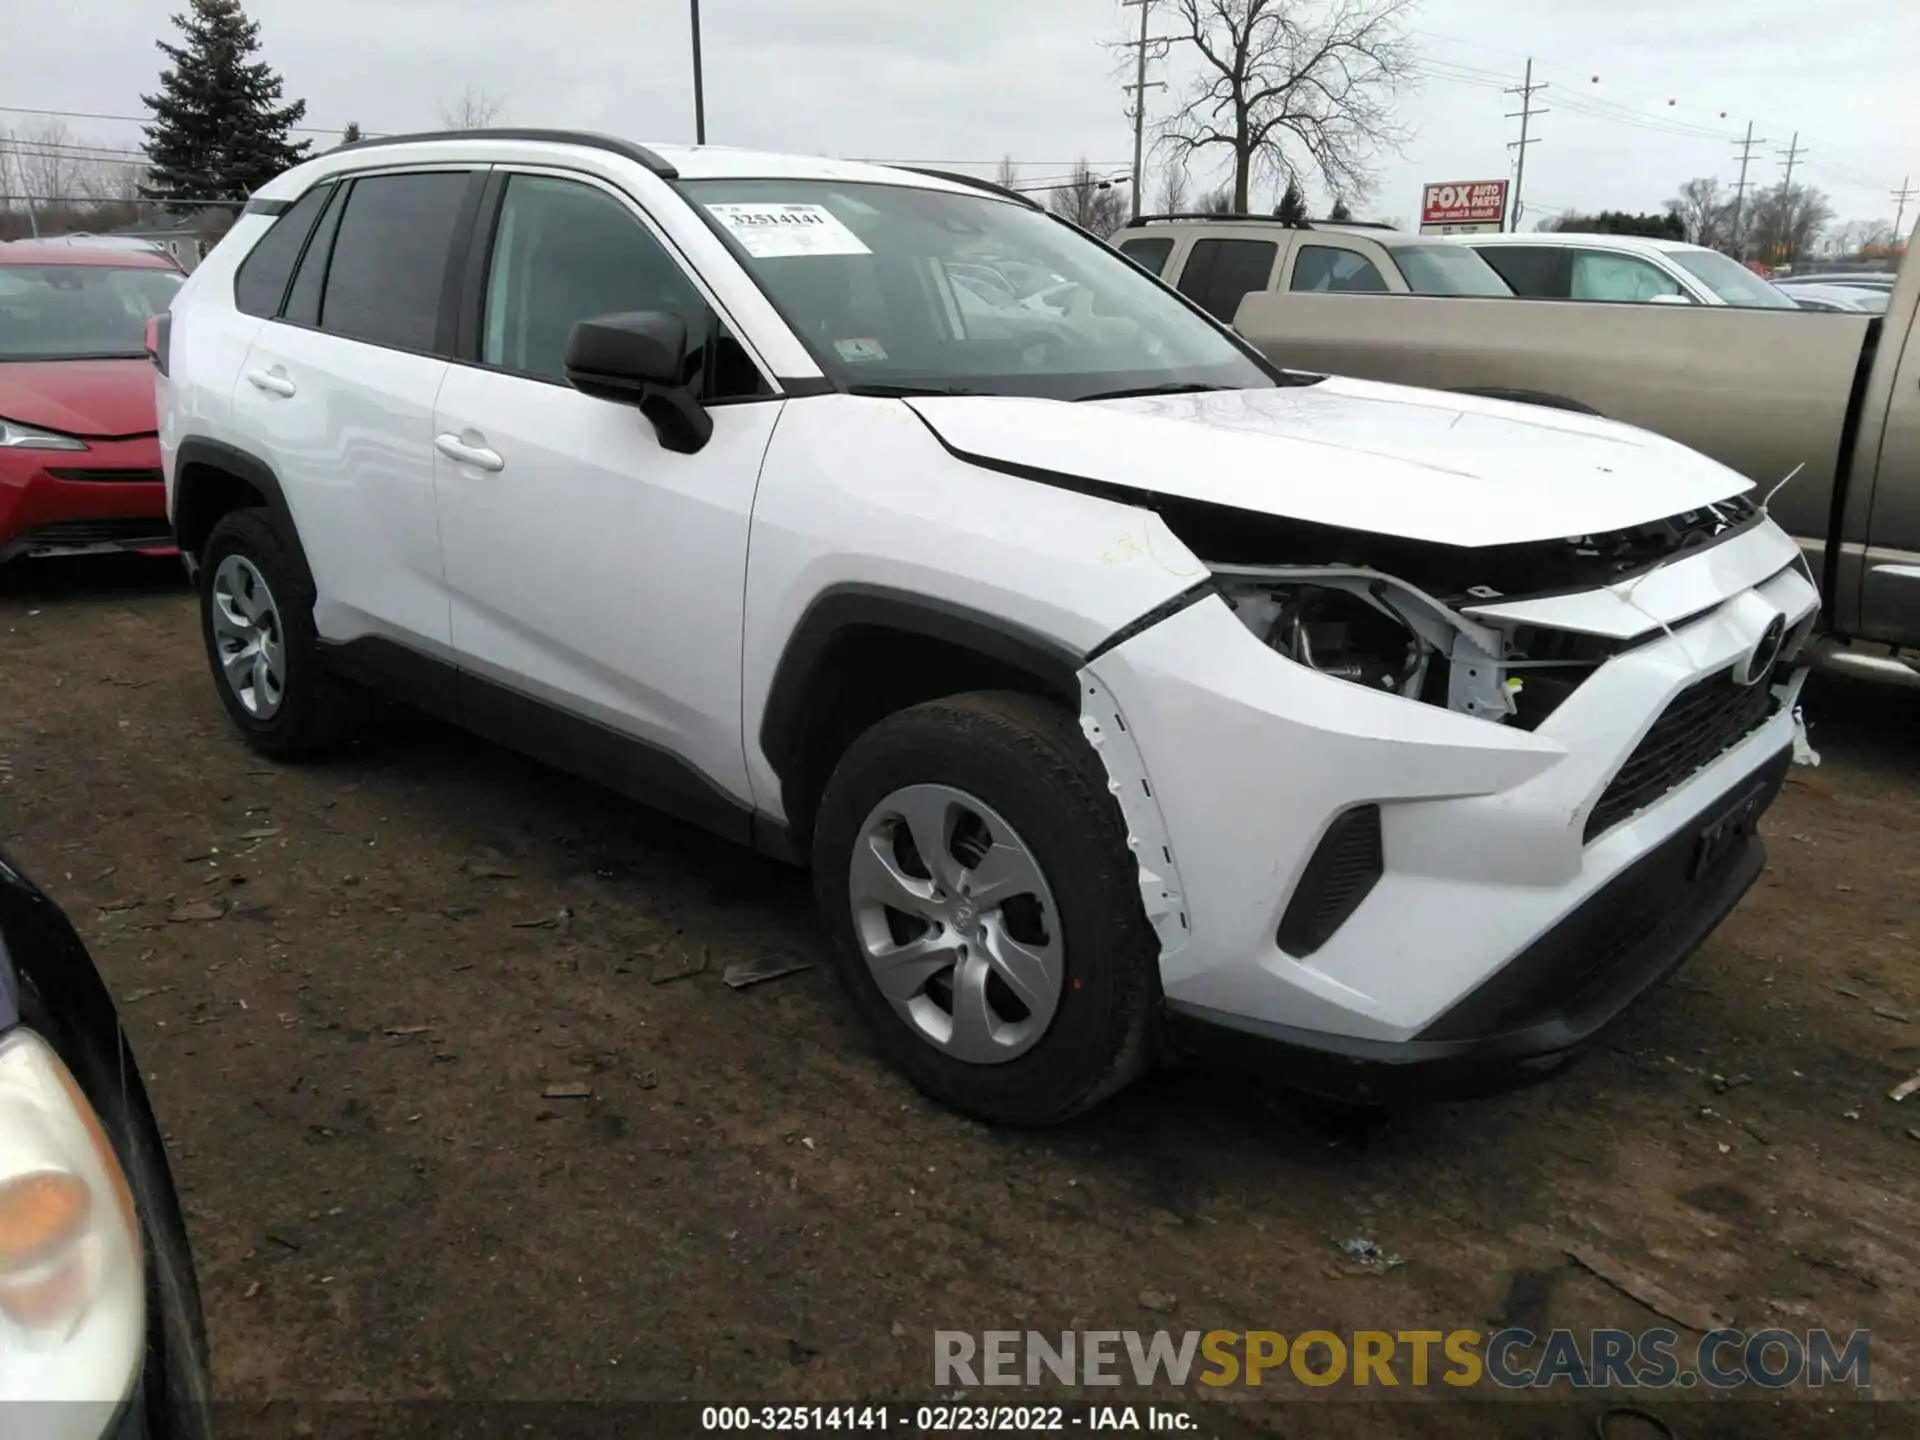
column 641, row 359
column 1670, row 300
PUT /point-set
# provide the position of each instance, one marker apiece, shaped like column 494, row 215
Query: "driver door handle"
column 461, row 453
column 274, row 382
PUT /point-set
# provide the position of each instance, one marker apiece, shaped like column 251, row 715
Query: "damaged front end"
column 1435, row 624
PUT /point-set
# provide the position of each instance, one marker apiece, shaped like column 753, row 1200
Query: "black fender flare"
column 843, row 608
column 196, row 452
column 1544, row 398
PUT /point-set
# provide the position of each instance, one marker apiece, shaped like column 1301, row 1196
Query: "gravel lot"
column 368, row 994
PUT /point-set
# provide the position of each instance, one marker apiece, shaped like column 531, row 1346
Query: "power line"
column 1524, row 115
column 149, row 120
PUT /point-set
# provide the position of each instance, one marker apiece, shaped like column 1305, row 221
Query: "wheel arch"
column 862, row 652
column 212, row 479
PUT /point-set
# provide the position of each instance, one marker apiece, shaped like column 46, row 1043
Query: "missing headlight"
column 1372, row 629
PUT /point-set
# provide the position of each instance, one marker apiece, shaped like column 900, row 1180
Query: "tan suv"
column 1217, row 260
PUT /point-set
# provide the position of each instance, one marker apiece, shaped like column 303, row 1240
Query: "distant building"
column 187, row 236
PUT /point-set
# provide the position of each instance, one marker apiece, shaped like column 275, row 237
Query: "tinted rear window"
column 260, row 284
column 390, row 258
column 1536, row 270
column 1219, row 273
column 1149, row 253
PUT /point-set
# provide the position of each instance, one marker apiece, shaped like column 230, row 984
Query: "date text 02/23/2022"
column 944, row 1419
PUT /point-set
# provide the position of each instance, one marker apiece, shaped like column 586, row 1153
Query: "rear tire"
column 1016, row 796
column 256, row 618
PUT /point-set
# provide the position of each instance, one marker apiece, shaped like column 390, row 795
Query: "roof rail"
column 1239, row 218
column 973, row 182
column 640, row 154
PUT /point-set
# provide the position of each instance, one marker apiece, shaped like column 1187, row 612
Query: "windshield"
column 896, row 288
column 1447, row 270
column 75, row 312
column 1731, row 280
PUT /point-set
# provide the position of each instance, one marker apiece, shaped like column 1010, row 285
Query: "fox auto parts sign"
column 1463, row 207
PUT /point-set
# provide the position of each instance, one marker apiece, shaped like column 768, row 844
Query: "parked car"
column 79, row 456
column 1215, row 260
column 1562, row 265
column 1859, row 299
column 1872, row 279
column 1122, row 689
column 99, row 1307
column 1823, row 412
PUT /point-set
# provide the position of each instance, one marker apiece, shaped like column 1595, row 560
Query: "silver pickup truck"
column 1831, row 400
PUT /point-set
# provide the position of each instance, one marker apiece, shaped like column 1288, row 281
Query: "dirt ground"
column 354, row 988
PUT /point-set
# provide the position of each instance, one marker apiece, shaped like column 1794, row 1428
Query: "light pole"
column 699, row 88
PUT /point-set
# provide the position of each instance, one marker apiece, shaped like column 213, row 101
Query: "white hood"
column 1387, row 459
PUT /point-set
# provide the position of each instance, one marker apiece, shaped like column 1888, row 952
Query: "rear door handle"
column 273, row 382
column 458, row 451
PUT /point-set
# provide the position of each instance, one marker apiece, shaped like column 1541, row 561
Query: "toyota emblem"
column 1759, row 663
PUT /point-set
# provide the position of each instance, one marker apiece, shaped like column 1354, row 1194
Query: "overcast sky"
column 962, row 82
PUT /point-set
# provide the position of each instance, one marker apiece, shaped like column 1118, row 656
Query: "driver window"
column 564, row 252
column 1598, row 275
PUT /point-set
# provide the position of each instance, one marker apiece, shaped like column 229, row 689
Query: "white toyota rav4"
column 1124, row 692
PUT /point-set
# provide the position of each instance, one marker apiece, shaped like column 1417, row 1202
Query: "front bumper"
column 1231, row 765
column 1537, row 1014
column 66, row 502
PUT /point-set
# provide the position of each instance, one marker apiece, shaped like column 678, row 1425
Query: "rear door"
column 337, row 396
column 1220, row 271
column 1324, row 264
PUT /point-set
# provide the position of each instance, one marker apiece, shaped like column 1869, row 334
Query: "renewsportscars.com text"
column 1509, row 1359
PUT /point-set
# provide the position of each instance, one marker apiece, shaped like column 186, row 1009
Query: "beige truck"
column 1830, row 399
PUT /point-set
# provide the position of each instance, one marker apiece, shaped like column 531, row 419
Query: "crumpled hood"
column 1386, row 459
column 89, row 398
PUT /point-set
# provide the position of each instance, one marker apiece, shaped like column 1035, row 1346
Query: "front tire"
column 984, row 909
column 256, row 617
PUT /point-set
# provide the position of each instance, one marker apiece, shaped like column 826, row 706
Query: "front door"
column 595, row 577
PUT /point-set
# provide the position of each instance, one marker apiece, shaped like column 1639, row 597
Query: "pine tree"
column 219, row 131
column 1340, row 211
column 1293, row 204
column 351, row 133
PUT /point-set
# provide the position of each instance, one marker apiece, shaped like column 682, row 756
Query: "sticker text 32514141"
column 769, row 232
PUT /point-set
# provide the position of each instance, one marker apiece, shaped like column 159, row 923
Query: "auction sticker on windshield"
column 771, row 231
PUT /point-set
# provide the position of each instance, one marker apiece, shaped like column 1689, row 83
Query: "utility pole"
column 1740, row 190
column 1902, row 198
column 1791, row 154
column 1139, row 90
column 699, row 85
column 1524, row 115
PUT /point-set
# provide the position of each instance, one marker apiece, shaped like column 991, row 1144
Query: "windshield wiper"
column 1171, row 387
column 903, row 392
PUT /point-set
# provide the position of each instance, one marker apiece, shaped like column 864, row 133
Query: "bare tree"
column 1173, row 193
column 46, row 163
column 1007, row 176
column 1705, row 213
column 1788, row 221
column 1090, row 202
column 1341, row 210
column 1217, row 202
column 351, row 133
column 1292, row 86
column 474, row 110
column 1858, row 235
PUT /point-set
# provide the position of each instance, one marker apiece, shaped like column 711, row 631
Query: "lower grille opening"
column 96, row 532
column 1343, row 871
column 1704, row 721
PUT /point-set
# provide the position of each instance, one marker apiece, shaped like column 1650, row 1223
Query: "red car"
column 79, row 459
